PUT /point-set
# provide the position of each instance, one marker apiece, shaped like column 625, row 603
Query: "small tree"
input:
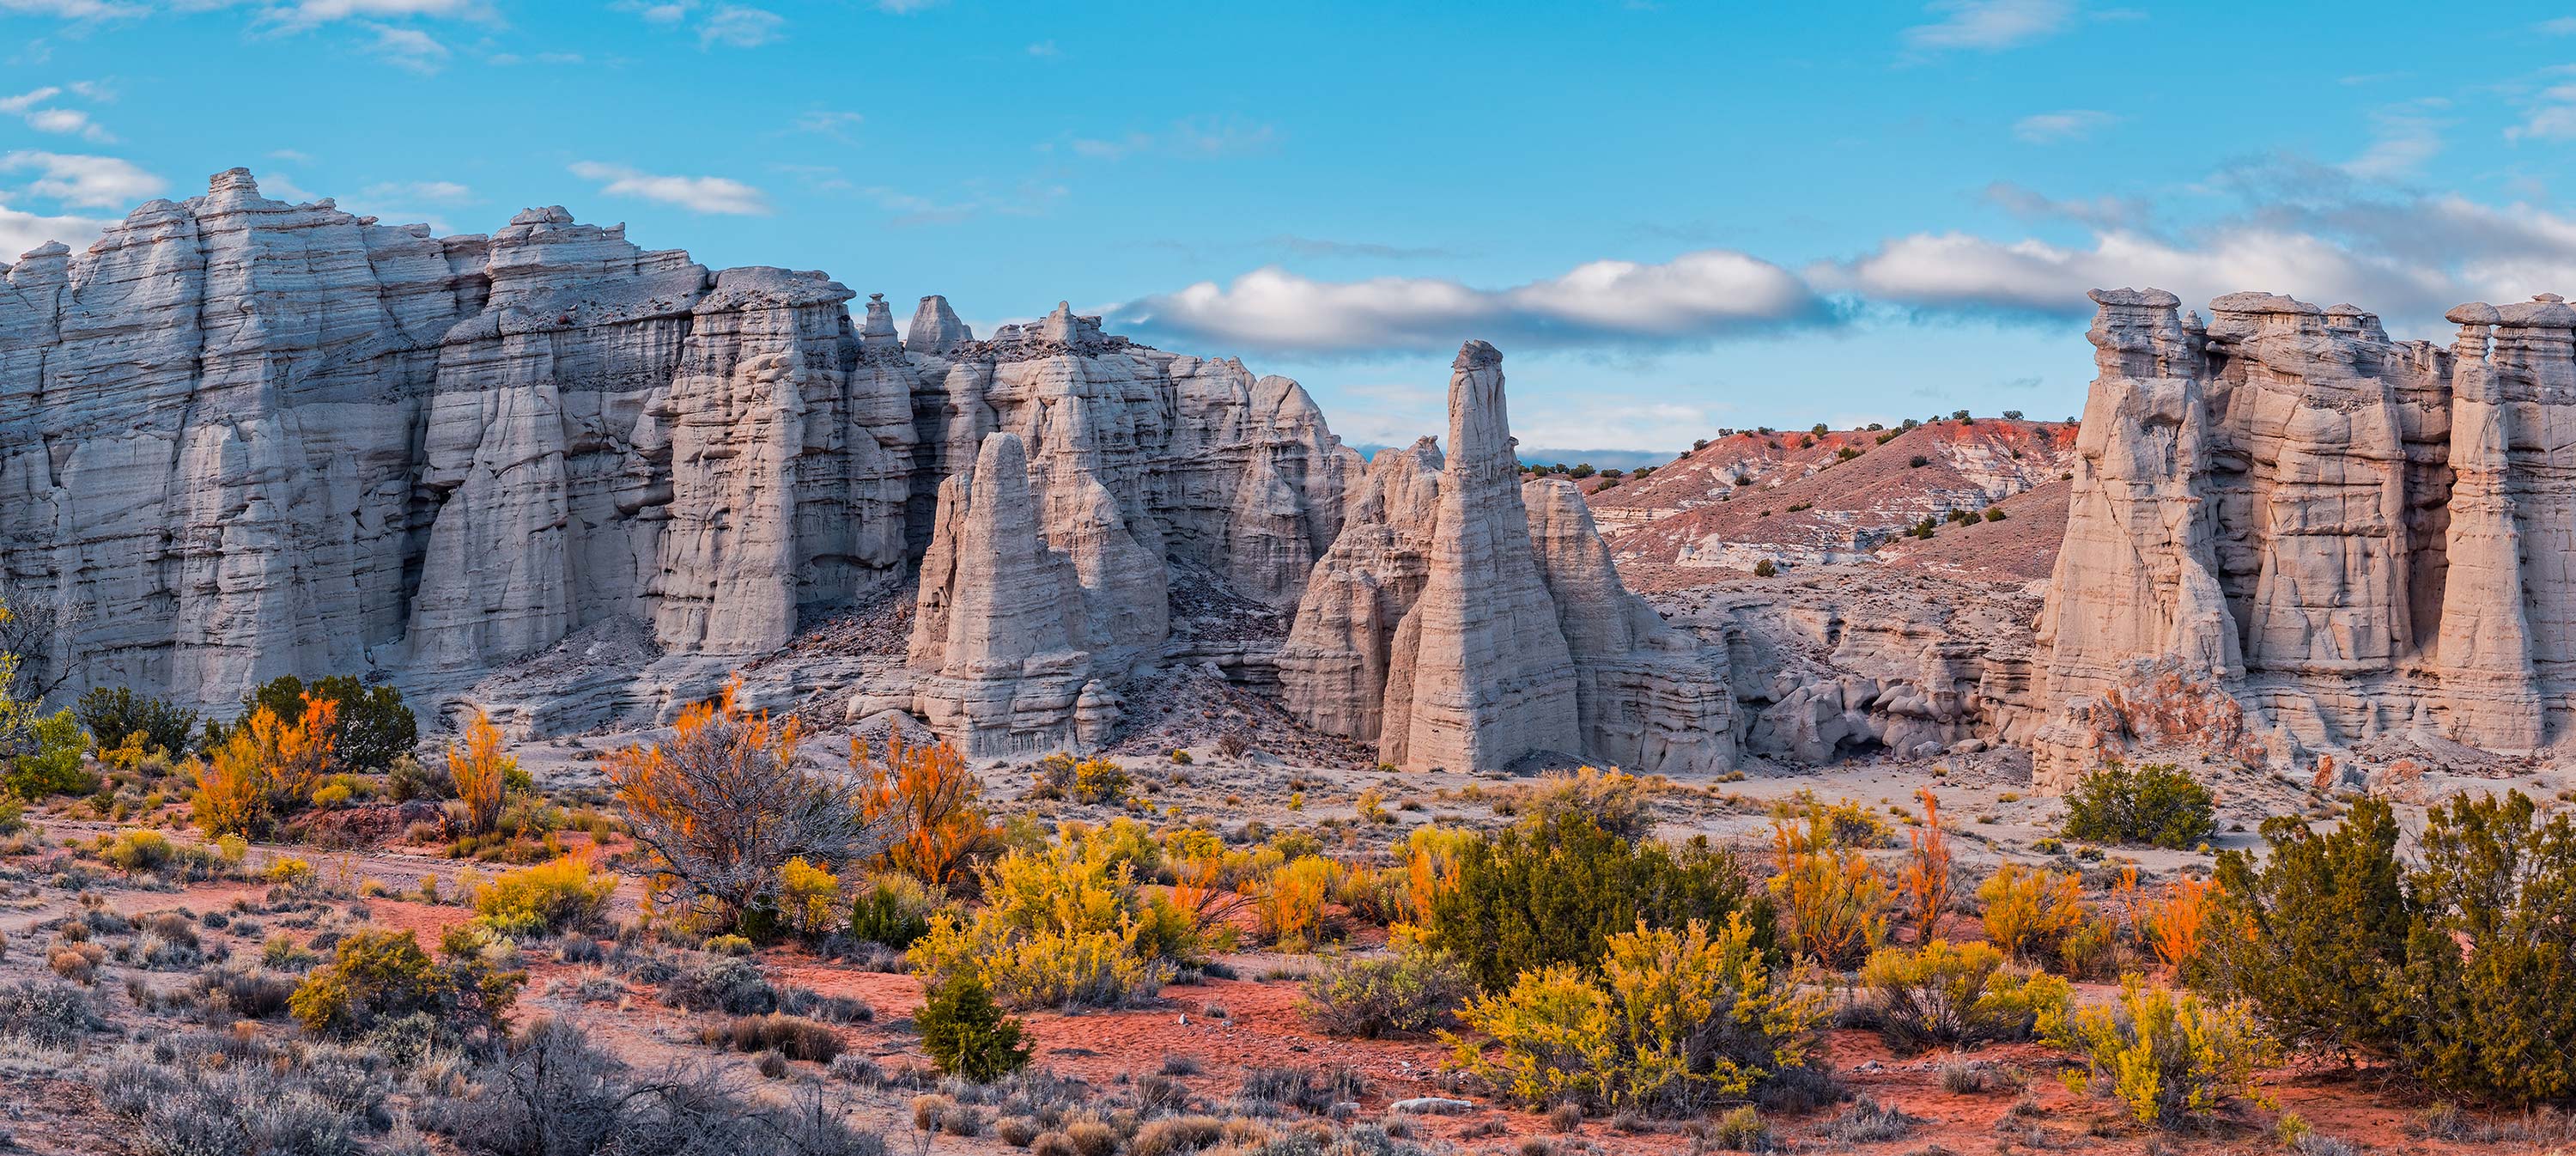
column 721, row 806
column 2156, row 804
column 114, row 714
column 965, row 1033
column 370, row 724
column 481, row 772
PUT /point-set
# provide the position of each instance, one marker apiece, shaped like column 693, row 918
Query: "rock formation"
column 1457, row 631
column 242, row 438
column 2348, row 535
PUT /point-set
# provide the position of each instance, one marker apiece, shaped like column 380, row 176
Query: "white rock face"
column 1462, row 628
column 241, row 438
column 2349, row 535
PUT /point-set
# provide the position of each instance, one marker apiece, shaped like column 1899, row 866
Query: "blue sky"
column 1671, row 217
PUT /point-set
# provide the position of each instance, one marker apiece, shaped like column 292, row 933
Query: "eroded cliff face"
column 1465, row 619
column 2344, row 535
column 241, row 438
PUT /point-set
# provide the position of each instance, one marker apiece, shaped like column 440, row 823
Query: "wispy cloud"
column 2403, row 140
column 88, row 182
column 42, row 112
column 720, row 195
column 442, row 192
column 1318, row 247
column 1045, row 48
column 409, row 49
column 1030, row 197
column 1692, row 297
column 1193, row 137
column 2059, row 127
column 1989, row 25
column 830, row 123
column 734, row 26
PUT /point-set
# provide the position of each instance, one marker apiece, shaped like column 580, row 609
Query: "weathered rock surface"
column 242, row 438
column 1458, row 631
column 2351, row 536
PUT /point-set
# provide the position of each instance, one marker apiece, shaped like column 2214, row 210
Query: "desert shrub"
column 2169, row 1056
column 931, row 804
column 52, row 763
column 552, row 1093
column 1766, row 568
column 1923, row 888
column 2155, row 804
column 244, row 991
column 965, row 1033
column 1099, row 781
column 1554, row 890
column 375, row 976
column 113, row 714
column 2448, row 972
column 1950, row 995
column 1416, row 990
column 1679, row 1021
column 138, row 850
column 45, row 1014
column 1833, row 903
column 1288, row 901
column 727, row 984
column 1064, row 925
column 2176, row 925
column 2029, row 912
column 479, row 772
column 794, row 1037
column 550, row 897
column 1313, row 1090
column 1176, row 1135
column 893, row 910
column 721, row 806
column 266, row 765
column 1613, row 801
column 2490, row 952
column 235, row 1109
column 370, row 726
column 809, row 897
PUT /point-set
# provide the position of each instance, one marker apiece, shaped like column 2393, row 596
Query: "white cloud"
column 74, row 9
column 2550, row 116
column 409, row 49
column 22, row 231
column 696, row 194
column 738, row 27
column 37, row 109
column 2562, row 26
column 1045, row 48
column 290, row 155
column 305, row 14
column 283, row 187
column 2059, row 127
column 1990, row 25
column 1696, row 295
column 906, row 7
column 83, row 181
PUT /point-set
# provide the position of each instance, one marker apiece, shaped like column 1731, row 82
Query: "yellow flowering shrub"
column 1678, row 1021
column 2029, row 912
column 2168, row 1055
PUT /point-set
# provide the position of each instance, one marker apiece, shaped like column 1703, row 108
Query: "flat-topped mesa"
column 1459, row 630
column 2347, row 535
column 283, row 439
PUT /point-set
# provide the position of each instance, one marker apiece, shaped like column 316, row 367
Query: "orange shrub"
column 928, row 800
column 1924, row 888
column 265, row 766
column 1833, row 902
column 2176, row 925
column 2030, row 912
column 481, row 771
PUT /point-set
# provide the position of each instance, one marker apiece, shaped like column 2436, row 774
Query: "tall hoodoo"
column 2343, row 534
column 1464, row 620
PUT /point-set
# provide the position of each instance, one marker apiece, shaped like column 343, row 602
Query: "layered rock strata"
column 2351, row 536
column 1456, row 629
column 242, row 438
